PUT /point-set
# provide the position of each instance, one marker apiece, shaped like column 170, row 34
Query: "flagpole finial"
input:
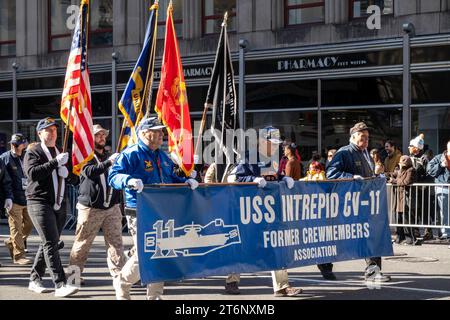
column 155, row 5
column 225, row 19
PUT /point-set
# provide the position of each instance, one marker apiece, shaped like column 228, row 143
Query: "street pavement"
column 421, row 272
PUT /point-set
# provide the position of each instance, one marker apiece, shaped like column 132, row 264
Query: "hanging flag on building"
column 171, row 101
column 136, row 97
column 76, row 97
column 222, row 97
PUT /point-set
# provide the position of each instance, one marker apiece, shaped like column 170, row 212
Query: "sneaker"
column 122, row 291
column 36, row 286
column 232, row 288
column 22, row 261
column 443, row 236
column 377, row 277
column 328, row 275
column 288, row 292
column 65, row 290
column 10, row 247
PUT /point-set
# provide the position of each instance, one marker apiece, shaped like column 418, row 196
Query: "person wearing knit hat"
column 419, row 163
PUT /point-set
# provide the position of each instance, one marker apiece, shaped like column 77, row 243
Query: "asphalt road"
column 421, row 272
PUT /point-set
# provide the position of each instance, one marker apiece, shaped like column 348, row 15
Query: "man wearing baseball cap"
column 354, row 162
column 138, row 165
column 44, row 165
column 260, row 167
column 20, row 224
column 97, row 209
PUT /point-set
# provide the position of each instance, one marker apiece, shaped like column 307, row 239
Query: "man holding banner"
column 143, row 163
column 353, row 162
column 260, row 168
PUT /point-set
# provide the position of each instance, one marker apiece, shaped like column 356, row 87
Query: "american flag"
column 76, row 95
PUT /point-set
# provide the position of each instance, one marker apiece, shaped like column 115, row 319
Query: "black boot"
column 326, row 269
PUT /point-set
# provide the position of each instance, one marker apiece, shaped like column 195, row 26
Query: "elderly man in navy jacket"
column 354, row 162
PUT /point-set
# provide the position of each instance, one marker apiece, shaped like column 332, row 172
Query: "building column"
column 21, row 28
column 133, row 21
column 245, row 16
column 277, row 14
column 192, row 19
column 405, row 7
column 119, row 23
column 336, row 11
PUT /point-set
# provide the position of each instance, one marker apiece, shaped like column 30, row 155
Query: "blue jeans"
column 442, row 198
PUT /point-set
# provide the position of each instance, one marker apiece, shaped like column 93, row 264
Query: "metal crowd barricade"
column 425, row 205
column 71, row 206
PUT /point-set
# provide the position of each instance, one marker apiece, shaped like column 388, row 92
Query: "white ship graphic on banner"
column 189, row 240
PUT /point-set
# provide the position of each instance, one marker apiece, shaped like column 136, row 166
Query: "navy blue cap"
column 45, row 123
column 18, row 139
column 150, row 124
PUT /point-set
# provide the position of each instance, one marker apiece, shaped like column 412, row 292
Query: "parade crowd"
column 33, row 175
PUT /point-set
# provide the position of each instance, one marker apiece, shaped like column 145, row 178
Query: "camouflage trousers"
column 89, row 222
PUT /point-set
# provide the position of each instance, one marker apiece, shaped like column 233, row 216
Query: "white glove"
column 289, row 182
column 8, row 204
column 358, row 177
column 443, row 161
column 136, row 184
column 193, row 174
column 63, row 172
column 261, row 182
column 62, row 158
column 113, row 157
column 193, row 183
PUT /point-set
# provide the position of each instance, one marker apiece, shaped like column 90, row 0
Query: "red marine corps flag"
column 171, row 102
column 76, row 97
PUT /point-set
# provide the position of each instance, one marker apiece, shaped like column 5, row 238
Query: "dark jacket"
column 247, row 172
column 39, row 170
column 347, row 162
column 5, row 185
column 15, row 171
column 91, row 192
column 404, row 194
column 420, row 163
column 439, row 173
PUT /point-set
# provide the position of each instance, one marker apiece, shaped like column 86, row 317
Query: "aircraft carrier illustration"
column 189, row 240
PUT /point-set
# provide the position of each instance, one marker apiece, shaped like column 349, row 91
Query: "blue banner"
column 217, row 230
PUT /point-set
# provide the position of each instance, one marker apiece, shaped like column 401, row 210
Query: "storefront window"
column 37, row 108
column 6, row 106
column 431, row 87
column 384, row 124
column 63, row 15
column 362, row 91
column 295, row 126
column 277, row 95
column 358, row 8
column 434, row 123
column 7, row 28
column 28, row 129
column 304, row 11
column 213, row 11
column 5, row 136
column 101, row 104
column 177, row 17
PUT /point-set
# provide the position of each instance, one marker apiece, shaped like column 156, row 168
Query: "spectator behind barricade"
column 330, row 155
column 315, row 157
column 382, row 151
column 379, row 167
column 353, row 162
column 293, row 166
column 393, row 156
column 316, row 172
column 439, row 169
column 420, row 161
column 403, row 177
